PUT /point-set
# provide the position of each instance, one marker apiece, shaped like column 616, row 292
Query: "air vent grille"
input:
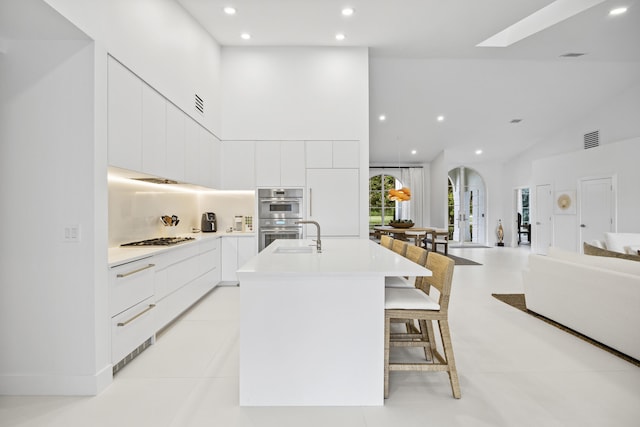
column 592, row 139
column 572, row 55
column 199, row 104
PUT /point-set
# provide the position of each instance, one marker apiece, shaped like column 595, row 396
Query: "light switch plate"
column 71, row 233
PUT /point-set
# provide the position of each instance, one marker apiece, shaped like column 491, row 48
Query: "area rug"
column 462, row 261
column 518, row 301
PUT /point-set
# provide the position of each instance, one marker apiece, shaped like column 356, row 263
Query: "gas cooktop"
column 160, row 241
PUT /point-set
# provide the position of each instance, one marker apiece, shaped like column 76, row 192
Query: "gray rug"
column 462, row 261
column 519, row 302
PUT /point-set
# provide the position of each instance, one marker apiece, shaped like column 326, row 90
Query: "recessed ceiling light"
column 618, row 11
column 382, row 117
column 245, row 36
column 347, row 11
column 478, row 152
column 440, row 118
column 230, row 10
column 413, row 151
column 340, row 36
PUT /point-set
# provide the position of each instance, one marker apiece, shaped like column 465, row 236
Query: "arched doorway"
column 467, row 207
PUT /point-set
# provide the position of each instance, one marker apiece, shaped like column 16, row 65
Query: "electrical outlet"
column 72, row 233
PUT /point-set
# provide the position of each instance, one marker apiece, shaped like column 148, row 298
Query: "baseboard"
column 56, row 385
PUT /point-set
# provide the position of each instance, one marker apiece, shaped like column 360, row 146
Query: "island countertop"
column 312, row 324
column 339, row 257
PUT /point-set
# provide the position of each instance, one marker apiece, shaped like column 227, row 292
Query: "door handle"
column 310, row 202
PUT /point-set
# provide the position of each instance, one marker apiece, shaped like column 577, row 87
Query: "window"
column 381, row 209
column 525, row 206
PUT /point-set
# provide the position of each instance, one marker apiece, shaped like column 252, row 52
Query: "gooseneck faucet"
column 318, row 241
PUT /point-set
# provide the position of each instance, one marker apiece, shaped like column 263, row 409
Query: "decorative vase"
column 500, row 233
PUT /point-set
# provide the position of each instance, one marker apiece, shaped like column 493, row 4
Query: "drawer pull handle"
column 126, row 322
column 121, row 275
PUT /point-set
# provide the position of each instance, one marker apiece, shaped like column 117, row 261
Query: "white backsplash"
column 135, row 209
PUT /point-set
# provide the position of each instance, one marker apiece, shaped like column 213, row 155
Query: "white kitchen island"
column 312, row 324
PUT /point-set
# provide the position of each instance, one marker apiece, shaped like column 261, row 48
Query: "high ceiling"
column 424, row 63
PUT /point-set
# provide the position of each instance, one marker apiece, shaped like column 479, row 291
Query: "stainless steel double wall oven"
column 278, row 210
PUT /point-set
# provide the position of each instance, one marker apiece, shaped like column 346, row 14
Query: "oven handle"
column 279, row 201
column 288, row 230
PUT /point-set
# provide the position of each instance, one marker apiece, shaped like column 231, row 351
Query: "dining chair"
column 386, row 241
column 417, row 304
column 415, row 254
column 399, row 247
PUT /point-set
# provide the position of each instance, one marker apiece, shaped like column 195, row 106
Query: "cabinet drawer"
column 209, row 244
column 131, row 328
column 129, row 284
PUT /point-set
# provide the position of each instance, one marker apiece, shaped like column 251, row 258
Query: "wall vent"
column 591, row 139
column 199, row 104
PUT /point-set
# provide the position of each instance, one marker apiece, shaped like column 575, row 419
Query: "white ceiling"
column 424, row 62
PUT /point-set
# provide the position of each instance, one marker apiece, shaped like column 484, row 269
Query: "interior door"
column 596, row 209
column 542, row 226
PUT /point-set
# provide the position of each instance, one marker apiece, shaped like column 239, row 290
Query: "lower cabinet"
column 185, row 277
column 236, row 250
column 145, row 295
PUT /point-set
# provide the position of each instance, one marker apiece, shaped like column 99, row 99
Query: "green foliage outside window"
column 381, row 209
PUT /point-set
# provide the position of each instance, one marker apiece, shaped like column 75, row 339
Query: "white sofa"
column 596, row 296
column 626, row 243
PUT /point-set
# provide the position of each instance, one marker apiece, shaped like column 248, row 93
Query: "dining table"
column 417, row 233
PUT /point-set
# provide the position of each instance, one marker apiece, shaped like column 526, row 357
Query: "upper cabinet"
column 280, row 164
column 238, row 165
column 149, row 134
column 124, row 117
column 176, row 124
column 332, row 154
column 154, row 132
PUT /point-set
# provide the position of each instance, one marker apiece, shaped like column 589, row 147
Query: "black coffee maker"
column 208, row 224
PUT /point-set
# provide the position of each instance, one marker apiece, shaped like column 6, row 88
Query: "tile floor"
column 514, row 371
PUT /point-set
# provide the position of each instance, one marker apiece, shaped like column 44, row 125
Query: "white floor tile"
column 514, row 370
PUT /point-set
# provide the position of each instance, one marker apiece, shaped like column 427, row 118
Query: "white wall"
column 53, row 317
column 616, row 119
column 160, row 42
column 299, row 94
column 564, row 171
column 295, row 94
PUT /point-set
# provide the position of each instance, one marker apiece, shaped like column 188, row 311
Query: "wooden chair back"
column 386, row 241
column 416, row 254
column 399, row 247
column 442, row 275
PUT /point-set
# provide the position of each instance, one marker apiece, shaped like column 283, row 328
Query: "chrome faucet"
column 318, row 241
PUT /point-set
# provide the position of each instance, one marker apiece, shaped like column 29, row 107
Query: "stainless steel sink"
column 294, row 250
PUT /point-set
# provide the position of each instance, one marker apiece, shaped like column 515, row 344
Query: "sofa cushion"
column 617, row 241
column 617, row 264
column 592, row 250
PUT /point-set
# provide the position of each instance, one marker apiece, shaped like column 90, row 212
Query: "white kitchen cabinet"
column 209, row 159
column 154, row 132
column 175, row 134
column 192, row 151
column 124, row 112
column 131, row 306
column 184, row 275
column 238, row 165
column 292, row 164
column 319, row 154
column 346, row 154
column 280, row 163
column 332, row 154
column 268, row 163
column 333, row 201
column 236, row 250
